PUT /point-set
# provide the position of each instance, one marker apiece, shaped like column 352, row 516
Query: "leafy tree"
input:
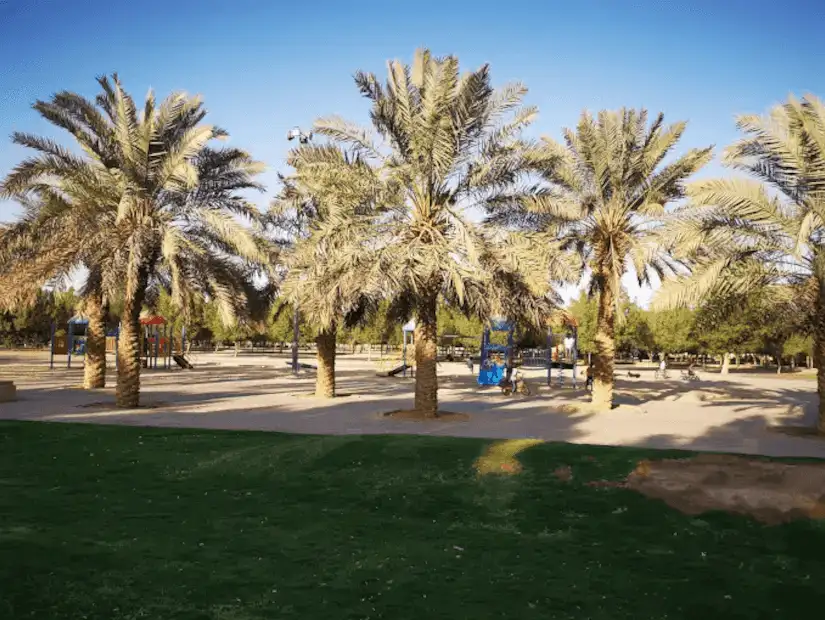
column 798, row 344
column 453, row 322
column 31, row 323
column 765, row 233
column 723, row 328
column 585, row 310
column 450, row 142
column 235, row 331
column 672, row 330
column 279, row 326
column 604, row 199
column 633, row 333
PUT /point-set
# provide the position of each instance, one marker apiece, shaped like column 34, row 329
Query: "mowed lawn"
column 118, row 522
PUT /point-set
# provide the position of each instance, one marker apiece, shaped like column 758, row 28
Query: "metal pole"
column 51, row 352
column 69, row 345
column 549, row 357
column 295, row 335
column 575, row 353
column 303, row 139
column 157, row 346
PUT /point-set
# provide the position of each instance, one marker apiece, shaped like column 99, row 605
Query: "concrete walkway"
column 259, row 393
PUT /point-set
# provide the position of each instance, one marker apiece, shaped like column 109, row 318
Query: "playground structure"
column 560, row 352
column 399, row 364
column 156, row 343
column 494, row 357
column 72, row 343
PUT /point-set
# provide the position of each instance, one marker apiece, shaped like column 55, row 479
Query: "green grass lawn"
column 117, row 522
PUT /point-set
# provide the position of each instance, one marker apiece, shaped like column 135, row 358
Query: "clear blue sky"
column 264, row 66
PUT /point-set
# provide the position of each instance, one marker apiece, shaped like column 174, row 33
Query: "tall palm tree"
column 605, row 197
column 67, row 224
column 176, row 221
column 324, row 208
column 449, row 142
column 764, row 232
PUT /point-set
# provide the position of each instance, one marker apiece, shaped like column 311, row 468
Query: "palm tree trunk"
column 725, row 363
column 128, row 351
column 94, row 363
column 325, row 356
column 605, row 344
column 426, row 372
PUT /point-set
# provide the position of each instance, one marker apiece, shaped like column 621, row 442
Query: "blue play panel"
column 492, row 375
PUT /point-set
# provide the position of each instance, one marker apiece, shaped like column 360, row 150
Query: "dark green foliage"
column 673, row 331
column 633, row 333
column 31, row 325
column 750, row 323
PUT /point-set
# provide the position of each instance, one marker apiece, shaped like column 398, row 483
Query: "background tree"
column 673, row 331
column 585, row 309
column 30, row 324
column 450, row 142
column 236, row 331
column 797, row 345
column 723, row 327
column 767, row 232
column 605, row 195
column 633, row 333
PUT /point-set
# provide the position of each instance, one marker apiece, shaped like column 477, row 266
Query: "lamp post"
column 303, row 138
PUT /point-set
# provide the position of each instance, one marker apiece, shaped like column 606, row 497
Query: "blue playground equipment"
column 72, row 344
column 561, row 353
column 494, row 357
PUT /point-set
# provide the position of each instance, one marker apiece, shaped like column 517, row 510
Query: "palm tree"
column 324, row 209
column 449, row 142
column 764, row 232
column 605, row 200
column 176, row 222
column 65, row 226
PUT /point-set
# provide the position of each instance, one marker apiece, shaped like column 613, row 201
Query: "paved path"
column 728, row 415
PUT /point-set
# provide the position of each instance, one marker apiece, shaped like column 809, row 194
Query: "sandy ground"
column 258, row 392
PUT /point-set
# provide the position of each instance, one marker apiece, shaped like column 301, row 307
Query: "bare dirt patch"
column 418, row 416
column 769, row 492
column 564, row 473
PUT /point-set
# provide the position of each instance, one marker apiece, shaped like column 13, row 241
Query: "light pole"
column 303, row 138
